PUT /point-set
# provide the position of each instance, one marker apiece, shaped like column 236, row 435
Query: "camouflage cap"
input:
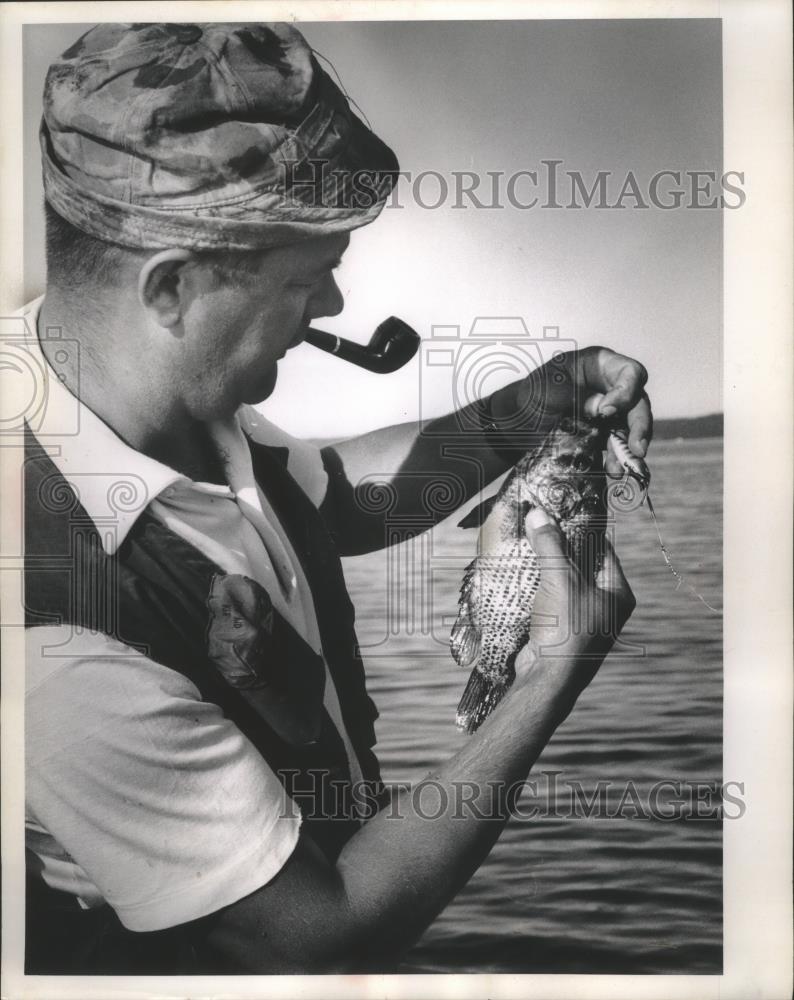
column 206, row 136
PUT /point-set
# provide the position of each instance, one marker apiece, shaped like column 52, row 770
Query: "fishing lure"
column 636, row 471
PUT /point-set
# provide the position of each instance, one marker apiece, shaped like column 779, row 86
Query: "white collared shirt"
column 137, row 792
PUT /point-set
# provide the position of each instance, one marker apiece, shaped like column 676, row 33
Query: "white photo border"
column 758, row 395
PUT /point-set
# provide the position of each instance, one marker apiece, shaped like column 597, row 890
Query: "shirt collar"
column 113, row 482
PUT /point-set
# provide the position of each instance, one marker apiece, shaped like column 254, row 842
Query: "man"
column 197, row 718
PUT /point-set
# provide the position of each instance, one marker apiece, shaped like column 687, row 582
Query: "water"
column 577, row 895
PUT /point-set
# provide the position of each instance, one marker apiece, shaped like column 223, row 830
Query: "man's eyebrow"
column 326, row 265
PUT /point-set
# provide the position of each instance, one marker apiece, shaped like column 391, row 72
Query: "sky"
column 630, row 95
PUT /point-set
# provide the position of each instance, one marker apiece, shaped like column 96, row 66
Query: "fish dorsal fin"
column 477, row 515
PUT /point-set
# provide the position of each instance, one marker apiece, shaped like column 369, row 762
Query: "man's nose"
column 328, row 300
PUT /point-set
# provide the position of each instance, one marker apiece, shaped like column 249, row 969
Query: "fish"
column 565, row 477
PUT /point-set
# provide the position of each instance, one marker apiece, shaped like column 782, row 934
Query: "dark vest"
column 160, row 595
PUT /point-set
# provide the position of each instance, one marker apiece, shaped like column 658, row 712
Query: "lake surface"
column 635, row 893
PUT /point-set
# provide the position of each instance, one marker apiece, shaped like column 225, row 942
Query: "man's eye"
column 314, row 281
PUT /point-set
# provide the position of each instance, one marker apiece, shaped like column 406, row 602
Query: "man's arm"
column 400, row 869
column 420, row 473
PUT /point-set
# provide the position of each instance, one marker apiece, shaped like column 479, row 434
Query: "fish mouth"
column 578, row 427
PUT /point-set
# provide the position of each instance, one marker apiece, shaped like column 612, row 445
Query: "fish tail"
column 481, row 696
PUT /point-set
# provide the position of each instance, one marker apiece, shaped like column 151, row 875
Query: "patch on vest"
column 260, row 654
column 241, row 623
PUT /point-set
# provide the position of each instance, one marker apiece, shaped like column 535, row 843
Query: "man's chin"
column 264, row 387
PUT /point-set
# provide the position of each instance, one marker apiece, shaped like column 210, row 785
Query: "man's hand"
column 574, row 621
column 594, row 381
column 399, row 870
column 414, row 461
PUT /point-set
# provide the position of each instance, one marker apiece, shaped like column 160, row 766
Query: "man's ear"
column 160, row 286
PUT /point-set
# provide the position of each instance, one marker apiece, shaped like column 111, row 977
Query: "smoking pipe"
column 391, row 346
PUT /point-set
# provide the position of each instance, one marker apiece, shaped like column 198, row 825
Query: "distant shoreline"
column 664, row 429
column 708, row 426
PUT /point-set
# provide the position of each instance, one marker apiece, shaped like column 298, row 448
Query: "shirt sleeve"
column 167, row 808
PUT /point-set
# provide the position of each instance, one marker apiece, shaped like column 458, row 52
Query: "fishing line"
column 667, row 559
column 636, row 472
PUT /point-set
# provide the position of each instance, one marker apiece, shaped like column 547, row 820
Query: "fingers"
column 617, row 380
column 611, row 580
column 591, row 405
column 624, row 381
column 618, row 383
column 610, row 575
column 551, row 604
column 547, row 540
column 640, row 422
column 544, row 534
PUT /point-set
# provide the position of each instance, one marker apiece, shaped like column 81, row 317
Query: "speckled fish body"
column 565, row 477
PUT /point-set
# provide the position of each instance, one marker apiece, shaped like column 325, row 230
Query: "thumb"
column 611, row 579
column 544, row 533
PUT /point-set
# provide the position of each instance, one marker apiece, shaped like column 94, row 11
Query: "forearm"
column 400, row 869
column 428, row 469
column 411, row 451
column 462, row 452
column 420, row 863
column 423, row 445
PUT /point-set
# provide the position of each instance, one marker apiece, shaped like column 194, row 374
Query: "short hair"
column 76, row 260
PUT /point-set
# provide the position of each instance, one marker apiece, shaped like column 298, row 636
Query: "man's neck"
column 140, row 406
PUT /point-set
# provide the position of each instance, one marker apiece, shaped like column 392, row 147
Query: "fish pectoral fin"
column 478, row 514
column 465, row 639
